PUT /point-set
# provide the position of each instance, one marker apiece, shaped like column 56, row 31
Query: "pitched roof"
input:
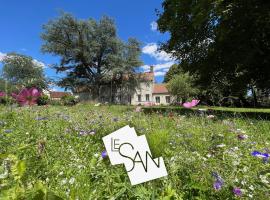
column 145, row 76
column 55, row 94
column 149, row 76
column 160, row 89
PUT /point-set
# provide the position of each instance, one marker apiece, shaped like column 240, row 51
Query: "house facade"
column 147, row 93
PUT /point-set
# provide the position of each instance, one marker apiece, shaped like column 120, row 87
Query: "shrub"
column 7, row 100
column 69, row 100
column 43, row 100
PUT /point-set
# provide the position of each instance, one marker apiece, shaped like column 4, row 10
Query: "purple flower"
column 242, row 137
column 237, row 191
column 115, row 119
column 2, row 94
column 84, row 133
column 104, row 154
column 218, row 182
column 218, row 185
column 41, row 118
column 8, row 131
column 259, row 154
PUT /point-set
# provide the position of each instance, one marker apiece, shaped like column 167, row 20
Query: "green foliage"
column 51, row 155
column 174, row 70
column 7, row 100
column 182, row 86
column 226, row 43
column 23, row 71
column 7, row 87
column 43, row 100
column 69, row 100
column 12, row 183
column 91, row 52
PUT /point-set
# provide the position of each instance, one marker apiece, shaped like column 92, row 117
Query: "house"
column 147, row 92
column 54, row 95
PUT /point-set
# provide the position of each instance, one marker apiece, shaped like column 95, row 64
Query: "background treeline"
column 224, row 45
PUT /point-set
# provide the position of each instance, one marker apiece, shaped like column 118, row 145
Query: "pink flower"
column 27, row 96
column 138, row 109
column 191, row 104
column 148, row 104
column 2, row 94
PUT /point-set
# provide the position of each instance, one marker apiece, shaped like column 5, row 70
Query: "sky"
column 21, row 26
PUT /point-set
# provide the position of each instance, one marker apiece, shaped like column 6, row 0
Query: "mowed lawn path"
column 206, row 158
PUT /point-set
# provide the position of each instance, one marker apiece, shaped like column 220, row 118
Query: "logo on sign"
column 125, row 147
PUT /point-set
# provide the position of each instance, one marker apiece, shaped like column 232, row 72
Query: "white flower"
column 221, row 145
column 61, row 173
column 64, row 181
column 251, row 187
column 235, row 162
column 245, row 169
column 72, row 180
column 264, row 179
column 210, row 116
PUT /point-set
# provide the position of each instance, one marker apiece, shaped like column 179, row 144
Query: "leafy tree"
column 182, row 86
column 174, row 70
column 6, row 87
column 220, row 40
column 23, row 71
column 91, row 53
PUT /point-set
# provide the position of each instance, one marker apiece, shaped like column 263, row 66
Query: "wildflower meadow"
column 57, row 152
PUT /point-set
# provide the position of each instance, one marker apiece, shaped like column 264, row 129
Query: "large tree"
column 91, row 53
column 23, row 71
column 182, row 86
column 174, row 70
column 221, row 41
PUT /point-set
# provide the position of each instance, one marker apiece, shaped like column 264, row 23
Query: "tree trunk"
column 255, row 101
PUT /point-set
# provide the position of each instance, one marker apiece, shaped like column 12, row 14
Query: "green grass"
column 44, row 148
column 256, row 113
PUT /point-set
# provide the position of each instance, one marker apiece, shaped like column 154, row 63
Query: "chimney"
column 151, row 69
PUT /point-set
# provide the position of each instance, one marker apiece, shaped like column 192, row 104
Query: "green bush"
column 69, row 100
column 7, row 100
column 43, row 100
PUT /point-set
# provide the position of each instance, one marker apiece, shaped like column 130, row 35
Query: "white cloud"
column 159, row 73
column 154, row 26
column 159, row 69
column 2, row 56
column 151, row 49
column 39, row 63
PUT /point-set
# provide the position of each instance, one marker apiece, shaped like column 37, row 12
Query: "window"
column 139, row 98
column 147, row 97
column 168, row 99
column 157, row 99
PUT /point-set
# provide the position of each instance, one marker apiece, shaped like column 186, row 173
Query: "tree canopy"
column 91, row 52
column 182, row 86
column 174, row 70
column 223, row 42
column 23, row 71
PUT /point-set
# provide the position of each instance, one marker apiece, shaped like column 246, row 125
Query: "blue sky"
column 21, row 26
